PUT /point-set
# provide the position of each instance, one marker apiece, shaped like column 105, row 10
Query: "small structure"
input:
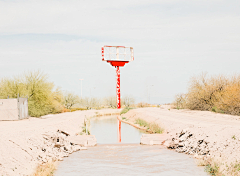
column 13, row 109
column 117, row 56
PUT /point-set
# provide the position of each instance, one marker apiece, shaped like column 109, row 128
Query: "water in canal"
column 126, row 158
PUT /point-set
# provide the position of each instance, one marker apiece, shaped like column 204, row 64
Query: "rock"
column 58, row 145
column 170, row 144
column 63, row 132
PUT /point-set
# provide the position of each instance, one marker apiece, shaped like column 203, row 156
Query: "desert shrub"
column 180, row 101
column 46, row 169
column 127, row 101
column 42, row 98
column 70, row 99
column 142, row 105
column 90, row 103
column 153, row 127
column 110, row 101
column 217, row 93
column 204, row 92
column 230, row 99
column 212, row 169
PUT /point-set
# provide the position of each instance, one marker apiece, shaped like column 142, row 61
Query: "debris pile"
column 189, row 143
column 56, row 146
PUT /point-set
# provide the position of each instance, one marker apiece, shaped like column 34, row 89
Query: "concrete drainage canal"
column 128, row 157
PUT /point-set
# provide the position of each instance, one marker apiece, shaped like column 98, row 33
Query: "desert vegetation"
column 151, row 127
column 219, row 94
column 212, row 93
column 215, row 168
column 45, row 98
column 45, row 169
column 42, row 97
column 125, row 110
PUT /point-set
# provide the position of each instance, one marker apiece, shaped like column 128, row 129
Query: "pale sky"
column 173, row 40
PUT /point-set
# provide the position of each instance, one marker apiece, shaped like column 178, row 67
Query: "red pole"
column 118, row 100
column 118, row 88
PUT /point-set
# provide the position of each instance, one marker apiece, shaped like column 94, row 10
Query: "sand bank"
column 202, row 134
column 26, row 143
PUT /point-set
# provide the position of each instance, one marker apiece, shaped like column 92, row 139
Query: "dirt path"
column 204, row 134
column 25, row 144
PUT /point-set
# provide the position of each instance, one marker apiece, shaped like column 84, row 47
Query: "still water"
column 126, row 158
column 105, row 130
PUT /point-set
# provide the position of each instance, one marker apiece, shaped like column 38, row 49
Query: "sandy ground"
column 203, row 134
column 23, row 143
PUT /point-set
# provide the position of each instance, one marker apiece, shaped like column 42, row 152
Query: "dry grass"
column 141, row 122
column 211, row 166
column 65, row 110
column 46, row 169
column 217, row 93
column 154, row 127
column 151, row 127
column 217, row 168
column 125, row 110
column 142, row 105
column 77, row 109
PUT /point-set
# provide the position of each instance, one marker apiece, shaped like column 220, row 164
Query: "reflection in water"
column 127, row 158
column 106, row 131
column 119, row 131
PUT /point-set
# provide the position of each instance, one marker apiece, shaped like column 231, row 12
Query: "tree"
column 42, row 99
column 128, row 100
column 111, row 101
column 70, row 99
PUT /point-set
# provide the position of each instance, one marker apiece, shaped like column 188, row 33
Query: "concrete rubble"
column 204, row 145
column 58, row 145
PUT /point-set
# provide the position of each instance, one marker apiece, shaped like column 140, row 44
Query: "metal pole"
column 118, row 100
column 118, row 88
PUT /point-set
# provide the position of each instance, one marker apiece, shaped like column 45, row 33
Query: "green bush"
column 42, row 99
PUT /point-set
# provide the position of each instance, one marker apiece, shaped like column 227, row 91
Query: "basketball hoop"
column 117, row 56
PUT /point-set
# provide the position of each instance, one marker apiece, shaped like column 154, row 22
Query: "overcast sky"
column 173, row 40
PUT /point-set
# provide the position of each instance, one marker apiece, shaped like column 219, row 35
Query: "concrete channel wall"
column 13, row 109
